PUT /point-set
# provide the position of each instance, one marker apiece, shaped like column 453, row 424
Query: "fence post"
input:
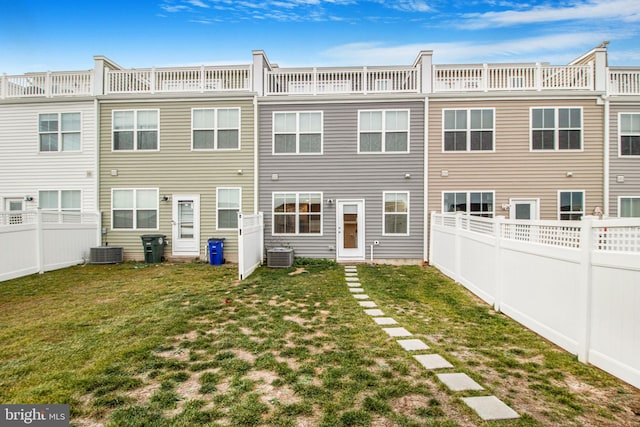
column 457, row 245
column 585, row 291
column 261, row 223
column 497, row 234
column 39, row 241
column 241, row 260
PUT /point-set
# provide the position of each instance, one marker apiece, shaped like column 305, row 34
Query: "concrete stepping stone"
column 361, row 296
column 459, row 382
column 385, row 321
column 413, row 345
column 490, row 408
column 368, row 304
column 354, row 290
column 374, row 312
column 433, row 361
column 350, row 267
column 350, row 274
column 352, row 279
column 354, row 284
column 397, row 332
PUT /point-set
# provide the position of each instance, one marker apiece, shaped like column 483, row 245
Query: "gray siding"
column 626, row 166
column 341, row 173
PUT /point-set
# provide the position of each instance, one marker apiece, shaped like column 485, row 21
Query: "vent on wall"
column 279, row 257
column 105, row 255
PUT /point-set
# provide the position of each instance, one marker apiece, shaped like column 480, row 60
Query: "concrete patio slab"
column 433, row 361
column 361, row 296
column 368, row 304
column 490, row 408
column 354, row 284
column 397, row 332
column 413, row 345
column 459, row 382
column 355, row 290
column 385, row 321
column 374, row 312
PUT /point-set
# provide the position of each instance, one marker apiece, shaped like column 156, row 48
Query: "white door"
column 14, row 205
column 524, row 209
column 186, row 225
column 350, row 230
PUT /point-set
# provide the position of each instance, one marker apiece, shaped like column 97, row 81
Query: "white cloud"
column 556, row 49
column 623, row 10
column 198, row 3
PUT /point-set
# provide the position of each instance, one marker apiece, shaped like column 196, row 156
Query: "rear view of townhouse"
column 345, row 162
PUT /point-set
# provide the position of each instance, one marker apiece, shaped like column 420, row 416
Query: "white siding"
column 25, row 170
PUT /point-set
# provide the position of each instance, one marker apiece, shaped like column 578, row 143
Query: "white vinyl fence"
column 575, row 283
column 39, row 241
column 250, row 243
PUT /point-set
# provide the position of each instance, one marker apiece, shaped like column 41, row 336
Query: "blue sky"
column 42, row 35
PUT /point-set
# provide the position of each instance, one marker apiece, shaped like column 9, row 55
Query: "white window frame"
column 621, row 134
column 297, row 214
column 469, row 130
column 297, row 133
column 59, row 207
column 135, row 131
column 218, row 209
column 556, row 130
column 60, row 133
column 620, row 198
column 216, row 128
column 468, row 202
column 135, row 209
column 559, row 204
column 384, row 131
column 385, row 213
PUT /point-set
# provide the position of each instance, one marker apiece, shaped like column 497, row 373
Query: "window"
column 385, row 131
column 629, row 134
column 297, row 133
column 629, row 207
column 59, row 131
column 396, row 213
column 556, row 128
column 135, row 130
column 134, row 208
column 59, row 200
column 571, row 204
column 478, row 203
column 297, row 213
column 468, row 130
column 228, row 202
column 215, row 128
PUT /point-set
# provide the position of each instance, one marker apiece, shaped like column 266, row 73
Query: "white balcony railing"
column 319, row 81
column 77, row 83
column 194, row 79
column 507, row 77
column 624, row 82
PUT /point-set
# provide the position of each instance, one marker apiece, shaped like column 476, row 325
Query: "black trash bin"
column 153, row 246
column 216, row 251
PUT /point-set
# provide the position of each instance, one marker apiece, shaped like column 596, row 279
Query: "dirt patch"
column 299, row 270
column 175, row 354
column 244, row 355
column 142, row 395
column 269, row 393
column 299, row 320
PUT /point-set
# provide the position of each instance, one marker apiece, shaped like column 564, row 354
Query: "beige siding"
column 176, row 169
column 512, row 170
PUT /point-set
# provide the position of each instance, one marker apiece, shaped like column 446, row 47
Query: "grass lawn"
column 187, row 344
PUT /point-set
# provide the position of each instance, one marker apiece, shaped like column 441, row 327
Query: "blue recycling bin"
column 216, row 251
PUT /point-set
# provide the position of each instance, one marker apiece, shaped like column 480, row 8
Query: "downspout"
column 425, row 172
column 255, row 154
column 607, row 143
column 97, row 169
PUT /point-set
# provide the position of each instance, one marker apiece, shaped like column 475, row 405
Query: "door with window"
column 14, row 205
column 526, row 209
column 350, row 230
column 186, row 225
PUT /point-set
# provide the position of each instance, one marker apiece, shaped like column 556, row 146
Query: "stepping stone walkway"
column 487, row 407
